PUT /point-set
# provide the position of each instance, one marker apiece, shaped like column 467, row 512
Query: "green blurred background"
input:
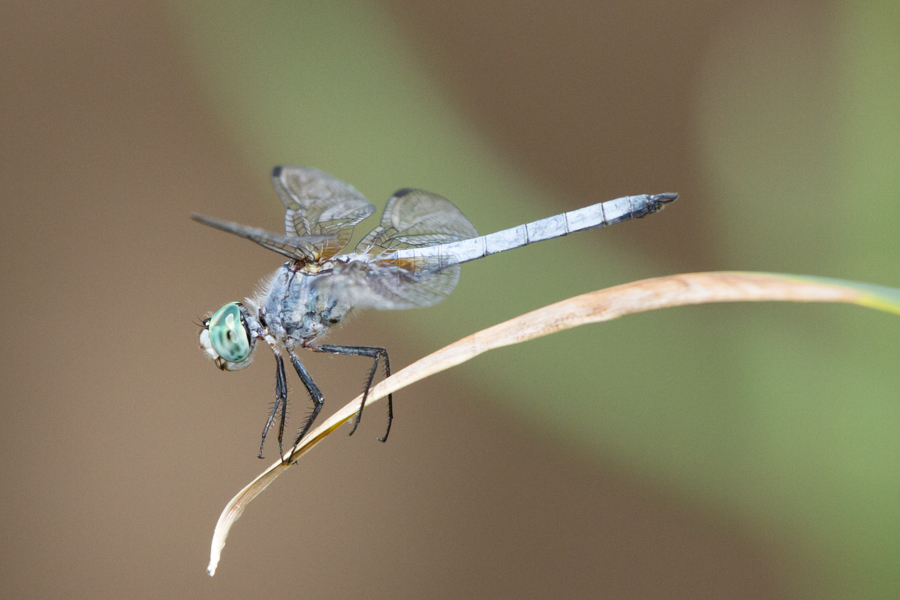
column 740, row 451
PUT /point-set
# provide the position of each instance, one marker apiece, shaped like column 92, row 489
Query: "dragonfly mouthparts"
column 664, row 198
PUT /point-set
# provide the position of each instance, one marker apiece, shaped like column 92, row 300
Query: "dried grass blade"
column 593, row 307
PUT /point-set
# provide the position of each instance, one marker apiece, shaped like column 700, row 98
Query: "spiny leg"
column 314, row 394
column 387, row 373
column 372, row 352
column 280, row 402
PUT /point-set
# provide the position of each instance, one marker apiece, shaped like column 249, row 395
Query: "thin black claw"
column 280, row 404
column 281, row 392
column 390, row 416
column 390, row 407
column 362, row 404
column 314, row 394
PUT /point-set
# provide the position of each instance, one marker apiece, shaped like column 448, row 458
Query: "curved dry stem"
column 594, row 307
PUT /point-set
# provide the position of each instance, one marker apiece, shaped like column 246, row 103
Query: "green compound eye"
column 228, row 335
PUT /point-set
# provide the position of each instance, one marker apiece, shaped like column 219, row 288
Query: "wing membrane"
column 303, row 248
column 416, row 218
column 318, row 204
column 411, row 219
column 392, row 284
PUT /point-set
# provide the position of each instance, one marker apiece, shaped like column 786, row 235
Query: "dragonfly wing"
column 318, row 204
column 411, row 219
column 392, row 284
column 416, row 218
column 303, row 248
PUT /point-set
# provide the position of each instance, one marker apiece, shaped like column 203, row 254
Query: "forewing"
column 318, row 204
column 416, row 218
column 392, row 284
column 303, row 248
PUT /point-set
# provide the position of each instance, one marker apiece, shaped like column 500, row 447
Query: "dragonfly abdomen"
column 590, row 217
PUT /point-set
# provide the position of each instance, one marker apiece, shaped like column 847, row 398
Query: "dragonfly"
column 410, row 260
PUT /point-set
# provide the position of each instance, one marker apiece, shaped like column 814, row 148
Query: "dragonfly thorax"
column 295, row 310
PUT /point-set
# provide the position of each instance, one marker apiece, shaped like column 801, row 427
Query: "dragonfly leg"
column 314, row 394
column 375, row 353
column 280, row 406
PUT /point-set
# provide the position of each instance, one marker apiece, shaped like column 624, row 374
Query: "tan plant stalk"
column 593, row 307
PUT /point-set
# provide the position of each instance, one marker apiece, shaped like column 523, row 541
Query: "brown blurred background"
column 123, row 444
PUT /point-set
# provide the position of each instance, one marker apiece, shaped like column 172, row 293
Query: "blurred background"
column 740, row 451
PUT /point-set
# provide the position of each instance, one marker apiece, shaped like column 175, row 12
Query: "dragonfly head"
column 226, row 337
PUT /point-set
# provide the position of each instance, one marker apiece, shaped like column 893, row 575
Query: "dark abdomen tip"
column 664, row 198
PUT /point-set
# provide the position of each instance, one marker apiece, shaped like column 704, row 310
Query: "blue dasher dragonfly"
column 411, row 259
